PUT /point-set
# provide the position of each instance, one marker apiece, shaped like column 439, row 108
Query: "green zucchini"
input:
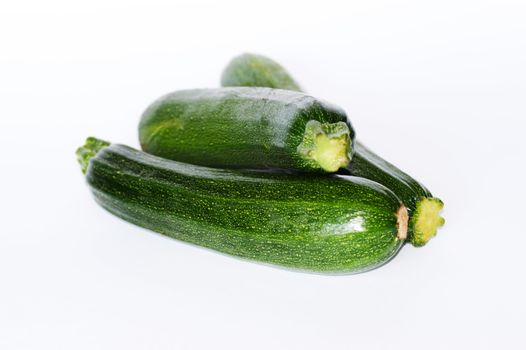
column 319, row 223
column 256, row 70
column 424, row 209
column 246, row 127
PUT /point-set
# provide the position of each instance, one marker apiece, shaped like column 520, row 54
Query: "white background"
column 436, row 87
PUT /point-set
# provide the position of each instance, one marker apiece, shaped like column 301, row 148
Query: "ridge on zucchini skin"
column 314, row 223
column 424, row 209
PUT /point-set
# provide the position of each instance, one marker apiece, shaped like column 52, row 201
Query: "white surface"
column 436, row 87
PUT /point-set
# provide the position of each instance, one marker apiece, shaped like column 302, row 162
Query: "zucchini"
column 334, row 224
column 246, row 127
column 256, row 70
column 424, row 209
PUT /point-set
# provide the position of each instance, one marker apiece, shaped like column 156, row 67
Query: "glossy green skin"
column 365, row 163
column 335, row 224
column 257, row 70
column 234, row 127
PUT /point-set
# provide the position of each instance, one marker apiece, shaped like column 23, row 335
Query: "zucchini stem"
column 426, row 221
column 328, row 145
column 90, row 149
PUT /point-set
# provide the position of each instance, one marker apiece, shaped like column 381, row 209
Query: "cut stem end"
column 402, row 219
column 426, row 221
column 90, row 149
column 326, row 145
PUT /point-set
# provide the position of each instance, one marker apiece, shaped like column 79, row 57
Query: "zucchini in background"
column 335, row 224
column 257, row 70
column 248, row 127
column 424, row 209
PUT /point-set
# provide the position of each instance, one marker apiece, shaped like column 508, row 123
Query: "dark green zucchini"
column 256, row 70
column 248, row 127
column 424, row 209
column 325, row 224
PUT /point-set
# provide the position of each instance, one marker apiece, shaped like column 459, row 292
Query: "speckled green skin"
column 239, row 127
column 365, row 163
column 331, row 224
column 256, row 70
column 369, row 165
